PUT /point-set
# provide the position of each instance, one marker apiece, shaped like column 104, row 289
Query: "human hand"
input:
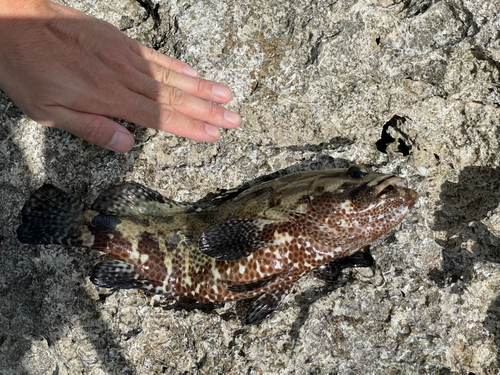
column 71, row 71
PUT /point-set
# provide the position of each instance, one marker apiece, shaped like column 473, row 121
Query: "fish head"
column 358, row 189
column 365, row 202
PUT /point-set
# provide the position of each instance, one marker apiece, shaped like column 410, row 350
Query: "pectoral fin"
column 236, row 239
column 330, row 272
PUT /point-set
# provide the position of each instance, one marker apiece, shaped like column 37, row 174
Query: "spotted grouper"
column 256, row 242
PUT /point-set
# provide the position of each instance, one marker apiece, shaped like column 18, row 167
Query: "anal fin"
column 330, row 272
column 243, row 288
column 122, row 275
column 265, row 304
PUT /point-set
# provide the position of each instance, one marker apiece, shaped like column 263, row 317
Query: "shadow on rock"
column 41, row 287
column 307, row 298
column 45, row 302
column 492, row 321
column 464, row 205
column 467, row 240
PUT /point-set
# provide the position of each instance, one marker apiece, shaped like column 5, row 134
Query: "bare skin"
column 71, row 71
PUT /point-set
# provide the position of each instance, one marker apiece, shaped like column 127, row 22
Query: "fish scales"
column 256, row 243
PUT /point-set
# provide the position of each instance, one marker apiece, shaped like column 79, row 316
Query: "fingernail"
column 120, row 142
column 221, row 92
column 187, row 70
column 212, row 130
column 232, row 117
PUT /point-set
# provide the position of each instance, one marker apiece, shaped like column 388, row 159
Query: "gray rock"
column 410, row 87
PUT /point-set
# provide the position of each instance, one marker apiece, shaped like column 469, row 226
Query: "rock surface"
column 411, row 87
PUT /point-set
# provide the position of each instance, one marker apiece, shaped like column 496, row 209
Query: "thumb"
column 98, row 130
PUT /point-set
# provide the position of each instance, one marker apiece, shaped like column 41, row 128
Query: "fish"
column 255, row 242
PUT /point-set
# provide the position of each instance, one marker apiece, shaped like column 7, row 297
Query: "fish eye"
column 356, row 172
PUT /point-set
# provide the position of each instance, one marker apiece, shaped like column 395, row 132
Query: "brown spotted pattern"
column 311, row 218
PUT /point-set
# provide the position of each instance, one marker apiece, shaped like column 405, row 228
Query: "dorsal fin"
column 133, row 199
column 219, row 197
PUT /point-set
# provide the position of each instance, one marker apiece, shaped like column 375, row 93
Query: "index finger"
column 198, row 87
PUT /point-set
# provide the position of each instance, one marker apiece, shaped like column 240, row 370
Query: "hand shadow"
column 42, row 287
column 44, row 300
column 467, row 239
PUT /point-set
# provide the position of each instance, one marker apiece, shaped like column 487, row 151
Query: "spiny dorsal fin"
column 133, row 199
column 219, row 197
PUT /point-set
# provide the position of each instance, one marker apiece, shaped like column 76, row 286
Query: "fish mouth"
column 390, row 184
column 396, row 185
column 386, row 187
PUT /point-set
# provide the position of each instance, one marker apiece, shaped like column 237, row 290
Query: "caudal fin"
column 51, row 216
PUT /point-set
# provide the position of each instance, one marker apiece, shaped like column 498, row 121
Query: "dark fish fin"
column 133, row 199
column 221, row 196
column 51, row 216
column 266, row 304
column 330, row 272
column 233, row 239
column 243, row 288
column 122, row 275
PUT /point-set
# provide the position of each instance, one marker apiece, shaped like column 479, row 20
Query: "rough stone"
column 411, row 87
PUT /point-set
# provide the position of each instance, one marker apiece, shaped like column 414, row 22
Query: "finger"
column 146, row 112
column 192, row 106
column 98, row 130
column 160, row 59
column 174, row 122
column 198, row 87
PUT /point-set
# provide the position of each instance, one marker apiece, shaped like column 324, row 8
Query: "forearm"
column 20, row 25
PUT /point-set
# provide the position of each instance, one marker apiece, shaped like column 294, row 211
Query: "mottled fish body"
column 257, row 242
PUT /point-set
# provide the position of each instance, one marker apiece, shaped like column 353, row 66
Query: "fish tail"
column 51, row 216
